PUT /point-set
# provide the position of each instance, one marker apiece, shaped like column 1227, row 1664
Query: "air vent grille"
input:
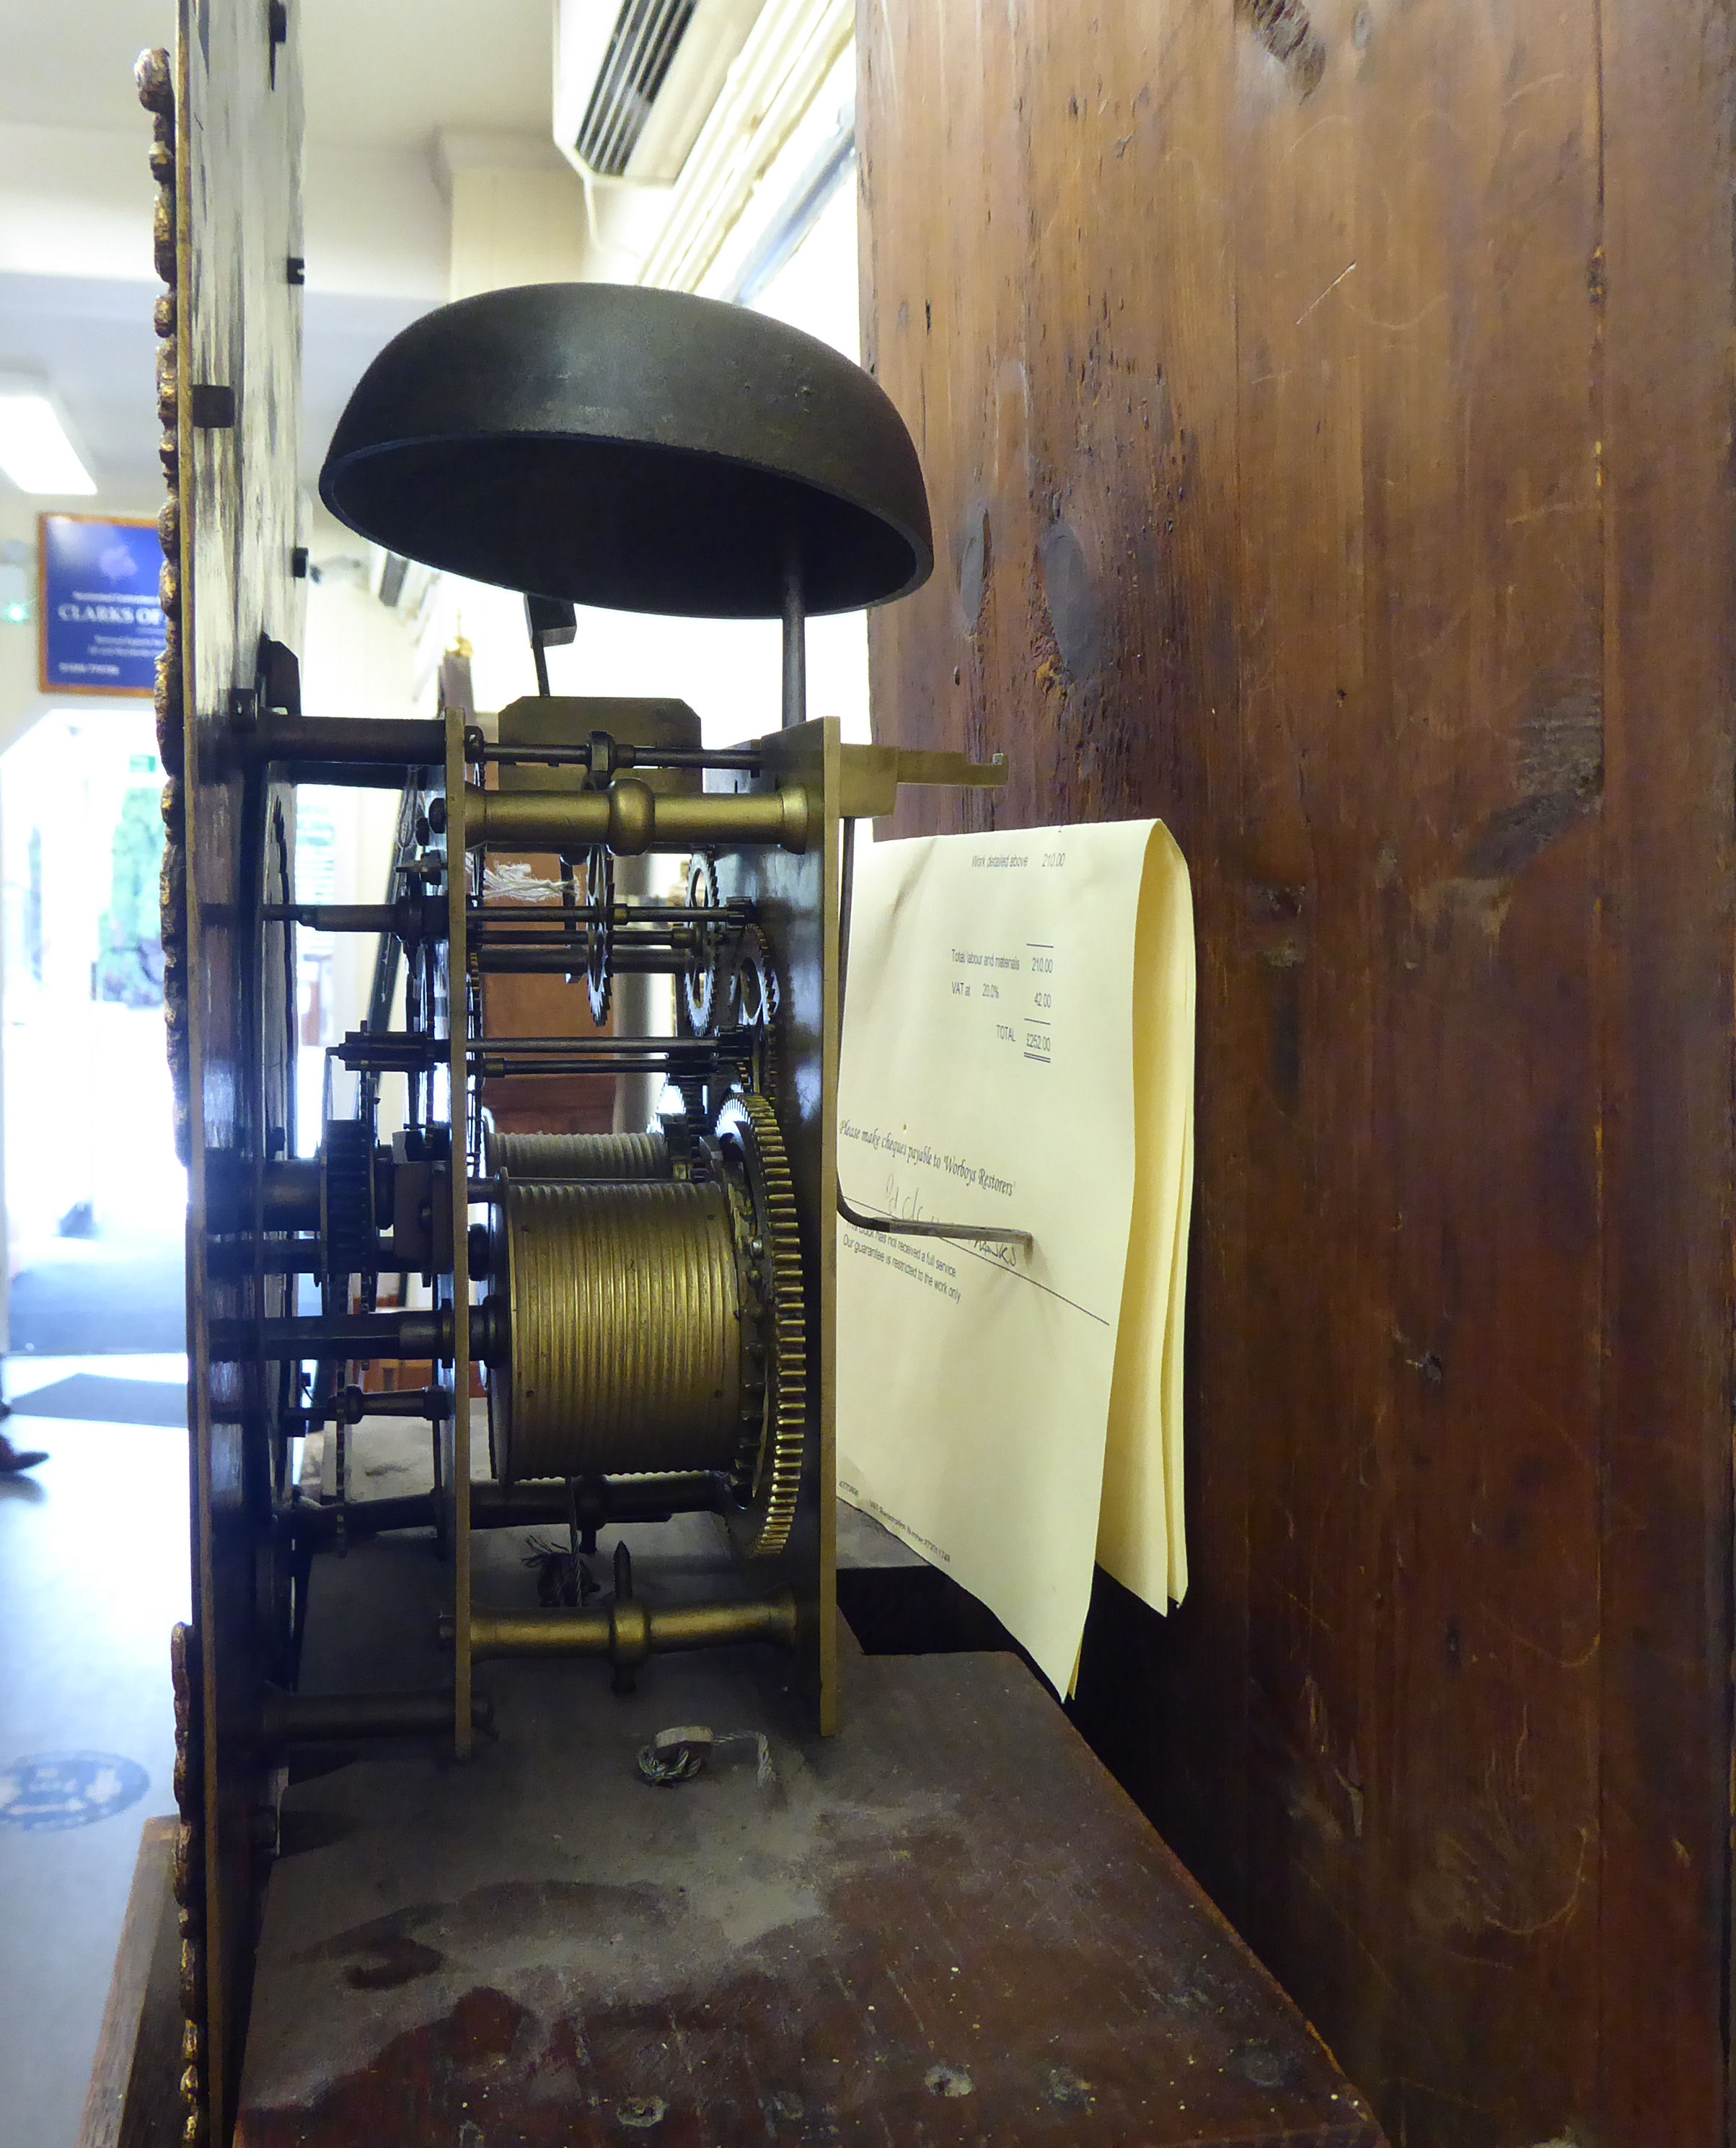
column 638, row 59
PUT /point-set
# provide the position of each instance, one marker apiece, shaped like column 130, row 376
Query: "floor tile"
column 93, row 1572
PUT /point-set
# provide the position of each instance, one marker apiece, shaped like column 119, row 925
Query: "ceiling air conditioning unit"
column 633, row 87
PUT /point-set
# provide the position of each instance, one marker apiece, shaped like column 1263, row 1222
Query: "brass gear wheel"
column 599, row 903
column 757, row 994
column 769, row 1481
column 350, row 1226
column 702, row 988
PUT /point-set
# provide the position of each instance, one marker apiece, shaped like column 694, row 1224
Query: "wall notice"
column 102, row 626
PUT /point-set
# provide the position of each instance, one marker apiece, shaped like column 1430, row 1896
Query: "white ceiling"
column 93, row 339
column 381, row 78
column 385, row 73
column 379, row 74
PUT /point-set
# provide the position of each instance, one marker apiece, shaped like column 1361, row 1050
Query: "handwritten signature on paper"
column 907, row 1206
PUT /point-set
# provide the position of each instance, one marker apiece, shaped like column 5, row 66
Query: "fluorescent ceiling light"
column 35, row 452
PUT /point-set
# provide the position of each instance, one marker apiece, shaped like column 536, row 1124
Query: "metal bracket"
column 895, row 1226
column 873, row 773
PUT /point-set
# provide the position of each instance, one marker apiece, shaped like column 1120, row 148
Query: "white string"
column 513, row 880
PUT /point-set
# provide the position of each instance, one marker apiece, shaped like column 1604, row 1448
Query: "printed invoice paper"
column 1018, row 1050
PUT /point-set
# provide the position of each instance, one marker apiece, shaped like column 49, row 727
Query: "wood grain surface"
column 1325, row 410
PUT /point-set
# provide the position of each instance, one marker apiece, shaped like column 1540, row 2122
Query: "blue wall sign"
column 102, row 626
column 68, row 1790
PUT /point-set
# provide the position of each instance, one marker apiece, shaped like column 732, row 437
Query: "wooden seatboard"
column 946, row 1925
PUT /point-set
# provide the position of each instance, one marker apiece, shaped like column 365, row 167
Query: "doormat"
column 100, row 1400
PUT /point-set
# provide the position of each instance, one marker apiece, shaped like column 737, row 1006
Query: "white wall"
column 517, row 212
column 79, row 200
column 76, row 202
column 374, row 222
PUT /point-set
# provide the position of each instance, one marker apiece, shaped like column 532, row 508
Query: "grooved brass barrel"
column 564, row 1157
column 626, row 1337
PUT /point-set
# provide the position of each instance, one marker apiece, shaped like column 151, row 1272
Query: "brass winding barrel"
column 564, row 1157
column 626, row 1346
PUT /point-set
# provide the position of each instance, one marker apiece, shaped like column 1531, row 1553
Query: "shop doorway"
column 95, row 1195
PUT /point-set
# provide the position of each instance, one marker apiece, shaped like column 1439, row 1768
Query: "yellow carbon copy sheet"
column 1018, row 1050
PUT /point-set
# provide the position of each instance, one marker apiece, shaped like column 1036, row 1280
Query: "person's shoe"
column 12, row 1459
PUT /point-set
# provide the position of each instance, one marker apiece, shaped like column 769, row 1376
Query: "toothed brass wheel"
column 702, row 985
column 768, row 1478
column 758, row 996
column 599, row 903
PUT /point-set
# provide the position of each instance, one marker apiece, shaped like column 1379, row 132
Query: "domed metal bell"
column 637, row 448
